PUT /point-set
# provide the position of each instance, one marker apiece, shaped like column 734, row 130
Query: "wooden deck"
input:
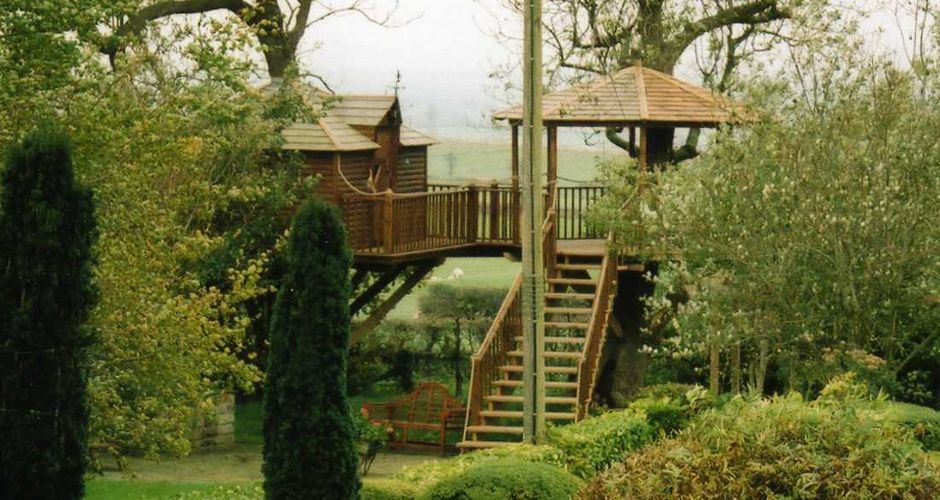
column 387, row 229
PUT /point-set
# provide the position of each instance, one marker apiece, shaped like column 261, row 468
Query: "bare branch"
column 755, row 13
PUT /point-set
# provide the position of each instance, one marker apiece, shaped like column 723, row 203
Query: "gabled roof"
column 634, row 95
column 329, row 134
column 411, row 137
column 362, row 110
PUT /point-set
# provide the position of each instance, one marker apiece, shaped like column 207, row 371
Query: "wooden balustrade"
column 573, row 203
column 499, row 340
column 588, row 365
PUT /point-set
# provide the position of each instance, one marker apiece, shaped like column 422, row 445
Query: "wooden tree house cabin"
column 375, row 169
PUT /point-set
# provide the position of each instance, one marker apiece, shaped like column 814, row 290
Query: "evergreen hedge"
column 309, row 449
column 47, row 229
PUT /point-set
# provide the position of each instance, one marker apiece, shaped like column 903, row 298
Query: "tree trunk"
column 623, row 366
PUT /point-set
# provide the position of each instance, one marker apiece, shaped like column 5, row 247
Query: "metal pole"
column 533, row 331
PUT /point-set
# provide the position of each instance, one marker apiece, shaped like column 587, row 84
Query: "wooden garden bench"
column 430, row 407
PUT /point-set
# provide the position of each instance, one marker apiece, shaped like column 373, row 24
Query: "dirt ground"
column 241, row 463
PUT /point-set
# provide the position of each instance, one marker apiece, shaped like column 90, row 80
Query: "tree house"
column 375, row 169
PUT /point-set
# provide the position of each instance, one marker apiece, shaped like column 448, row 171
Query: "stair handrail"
column 597, row 329
column 550, row 232
column 485, row 363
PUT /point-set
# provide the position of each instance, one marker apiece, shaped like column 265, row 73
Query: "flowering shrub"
column 783, row 447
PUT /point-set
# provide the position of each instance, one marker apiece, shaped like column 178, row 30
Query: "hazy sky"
column 445, row 56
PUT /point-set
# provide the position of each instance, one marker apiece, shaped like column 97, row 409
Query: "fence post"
column 495, row 226
column 388, row 219
column 473, row 213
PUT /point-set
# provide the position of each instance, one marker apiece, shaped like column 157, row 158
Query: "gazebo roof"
column 632, row 96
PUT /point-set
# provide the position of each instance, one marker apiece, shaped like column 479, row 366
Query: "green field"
column 484, row 162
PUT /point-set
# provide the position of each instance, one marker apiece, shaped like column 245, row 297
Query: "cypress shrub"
column 47, row 229
column 506, row 479
column 309, row 449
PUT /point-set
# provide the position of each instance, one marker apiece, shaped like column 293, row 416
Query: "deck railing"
column 450, row 215
column 499, row 340
column 596, row 333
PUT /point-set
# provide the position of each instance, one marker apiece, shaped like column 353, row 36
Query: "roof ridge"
column 642, row 98
column 329, row 133
column 675, row 82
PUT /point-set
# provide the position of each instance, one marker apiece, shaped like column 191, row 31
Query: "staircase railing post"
column 388, row 222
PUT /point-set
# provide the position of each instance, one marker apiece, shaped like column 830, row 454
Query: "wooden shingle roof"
column 632, row 96
column 362, row 110
column 328, row 134
column 411, row 137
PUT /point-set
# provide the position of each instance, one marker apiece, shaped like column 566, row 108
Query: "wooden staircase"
column 578, row 299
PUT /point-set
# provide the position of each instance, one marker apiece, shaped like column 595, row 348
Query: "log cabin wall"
column 412, row 172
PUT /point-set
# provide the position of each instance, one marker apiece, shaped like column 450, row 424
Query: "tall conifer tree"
column 47, row 229
column 309, row 450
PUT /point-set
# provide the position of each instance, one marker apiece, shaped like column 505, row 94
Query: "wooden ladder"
column 578, row 301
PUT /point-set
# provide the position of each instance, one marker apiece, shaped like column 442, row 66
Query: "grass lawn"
column 108, row 489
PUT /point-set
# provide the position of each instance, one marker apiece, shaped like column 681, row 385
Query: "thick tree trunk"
column 623, row 365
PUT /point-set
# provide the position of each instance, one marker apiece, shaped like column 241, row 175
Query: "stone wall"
column 214, row 430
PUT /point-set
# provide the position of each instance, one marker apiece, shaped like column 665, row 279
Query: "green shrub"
column 370, row 438
column 429, row 473
column 388, row 489
column 309, row 448
column 594, row 443
column 924, row 422
column 665, row 416
column 47, row 229
column 506, row 479
column 784, row 447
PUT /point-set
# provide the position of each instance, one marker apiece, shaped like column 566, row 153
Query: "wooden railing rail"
column 597, row 328
column 492, row 353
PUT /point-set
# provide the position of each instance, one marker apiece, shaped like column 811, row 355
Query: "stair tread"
column 565, row 295
column 567, row 310
column 558, row 340
column 518, row 399
column 495, row 429
column 578, row 267
column 548, row 384
column 572, row 281
column 549, row 354
column 548, row 369
column 554, row 415
column 565, row 324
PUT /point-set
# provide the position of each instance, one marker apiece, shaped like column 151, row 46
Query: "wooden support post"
column 374, row 290
column 495, row 226
column 473, row 213
column 361, row 329
column 388, row 223
column 714, row 378
column 644, row 149
column 632, row 141
column 552, row 164
column 514, row 193
column 532, row 296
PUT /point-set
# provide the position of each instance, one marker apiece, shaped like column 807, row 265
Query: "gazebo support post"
column 644, row 149
column 514, row 195
column 552, row 163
